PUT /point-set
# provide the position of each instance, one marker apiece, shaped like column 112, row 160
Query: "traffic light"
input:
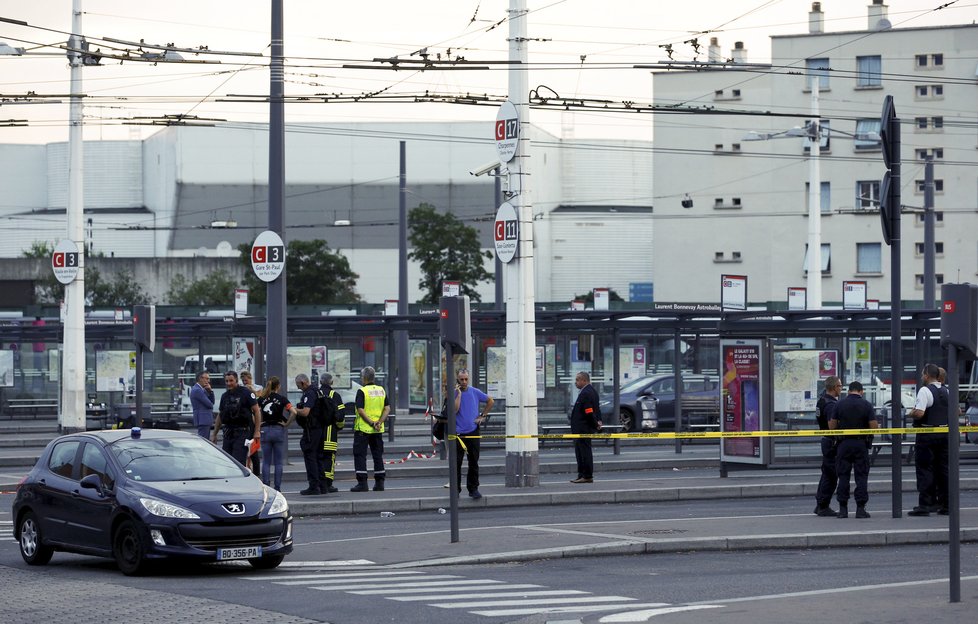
column 890, row 185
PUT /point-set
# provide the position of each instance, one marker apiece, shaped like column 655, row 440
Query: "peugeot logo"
column 235, row 509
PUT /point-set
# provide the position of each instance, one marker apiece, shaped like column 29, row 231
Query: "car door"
column 90, row 517
column 53, row 488
column 665, row 391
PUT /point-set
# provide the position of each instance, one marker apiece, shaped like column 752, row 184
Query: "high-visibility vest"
column 373, row 406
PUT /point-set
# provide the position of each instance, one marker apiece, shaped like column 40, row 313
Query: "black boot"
column 312, row 490
column 843, row 511
column 378, row 484
column 861, row 512
column 326, row 485
column 361, row 485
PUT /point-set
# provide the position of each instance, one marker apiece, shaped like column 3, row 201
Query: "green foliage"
column 39, row 249
column 217, row 289
column 316, row 275
column 447, row 250
column 47, row 289
column 122, row 291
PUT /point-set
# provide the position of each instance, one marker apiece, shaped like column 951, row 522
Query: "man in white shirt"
column 932, row 409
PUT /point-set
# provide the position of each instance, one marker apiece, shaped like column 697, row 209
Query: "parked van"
column 216, row 365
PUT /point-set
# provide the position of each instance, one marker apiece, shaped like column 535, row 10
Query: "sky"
column 578, row 48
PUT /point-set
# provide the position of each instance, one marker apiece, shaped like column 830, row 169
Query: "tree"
column 316, row 275
column 216, row 289
column 448, row 250
column 122, row 291
column 47, row 289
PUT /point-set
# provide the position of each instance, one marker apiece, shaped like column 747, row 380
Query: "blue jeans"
column 273, row 452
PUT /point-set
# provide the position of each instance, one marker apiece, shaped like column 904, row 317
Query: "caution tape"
column 671, row 435
column 411, row 455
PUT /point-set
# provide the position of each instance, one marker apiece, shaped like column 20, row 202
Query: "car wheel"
column 627, row 420
column 129, row 549
column 266, row 563
column 32, row 548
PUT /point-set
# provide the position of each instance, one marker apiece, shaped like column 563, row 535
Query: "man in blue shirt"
column 202, row 402
column 468, row 417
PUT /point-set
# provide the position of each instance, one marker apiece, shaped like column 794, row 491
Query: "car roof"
column 108, row 436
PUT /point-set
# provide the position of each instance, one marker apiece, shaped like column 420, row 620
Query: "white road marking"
column 325, row 564
column 580, row 609
column 546, row 601
column 373, row 581
column 647, row 614
column 480, row 585
column 495, row 594
column 389, row 586
column 838, row 590
column 329, row 575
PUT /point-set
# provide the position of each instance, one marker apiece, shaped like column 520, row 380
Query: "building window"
column 938, row 216
column 937, row 153
column 868, row 70
column 720, row 204
column 938, row 248
column 817, row 67
column 826, row 258
column 867, row 194
column 869, row 258
column 736, row 255
column 865, row 129
column 718, row 256
column 937, row 122
column 929, row 92
column 938, row 277
column 938, row 186
column 825, row 200
column 929, row 123
column 929, row 61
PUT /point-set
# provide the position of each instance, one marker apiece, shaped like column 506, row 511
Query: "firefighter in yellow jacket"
column 373, row 407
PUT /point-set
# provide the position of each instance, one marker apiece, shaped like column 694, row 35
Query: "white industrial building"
column 728, row 206
column 201, row 191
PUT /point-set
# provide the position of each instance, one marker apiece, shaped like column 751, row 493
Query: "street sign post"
column 506, row 233
column 268, row 256
column 65, row 261
column 507, row 131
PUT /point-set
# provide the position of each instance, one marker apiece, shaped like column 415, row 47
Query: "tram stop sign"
column 65, row 261
column 268, row 256
column 506, row 232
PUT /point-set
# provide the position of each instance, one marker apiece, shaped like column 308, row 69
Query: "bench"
column 704, row 411
column 879, row 446
column 17, row 407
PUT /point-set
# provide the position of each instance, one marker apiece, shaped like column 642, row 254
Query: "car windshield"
column 636, row 385
column 173, row 459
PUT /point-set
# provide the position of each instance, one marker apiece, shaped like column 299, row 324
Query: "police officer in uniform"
column 332, row 431
column 824, row 409
column 238, row 418
column 373, row 407
column 852, row 454
column 310, row 418
column 931, row 449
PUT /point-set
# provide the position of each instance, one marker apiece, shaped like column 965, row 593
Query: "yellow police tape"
column 792, row 433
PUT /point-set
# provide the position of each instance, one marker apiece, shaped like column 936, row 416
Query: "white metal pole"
column 522, row 455
column 814, row 205
column 72, row 416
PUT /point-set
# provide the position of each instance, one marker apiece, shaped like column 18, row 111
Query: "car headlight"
column 279, row 504
column 167, row 510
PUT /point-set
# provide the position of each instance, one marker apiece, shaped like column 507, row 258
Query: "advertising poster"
column 338, row 363
column 496, row 371
column 318, row 360
column 741, row 397
column 297, row 360
column 551, row 366
column 115, row 371
column 418, row 373
column 860, row 365
column 541, row 366
column 243, row 350
column 54, row 365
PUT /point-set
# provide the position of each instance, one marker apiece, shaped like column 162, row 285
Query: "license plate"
column 246, row 552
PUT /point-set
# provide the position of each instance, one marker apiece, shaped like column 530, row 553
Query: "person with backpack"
column 311, row 416
column 277, row 414
column 336, row 423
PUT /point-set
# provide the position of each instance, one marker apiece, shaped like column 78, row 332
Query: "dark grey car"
column 650, row 402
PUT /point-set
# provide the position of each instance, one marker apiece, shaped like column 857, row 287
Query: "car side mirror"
column 93, row 482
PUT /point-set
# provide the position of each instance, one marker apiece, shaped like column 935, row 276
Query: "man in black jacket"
column 332, row 431
column 824, row 412
column 852, row 455
column 585, row 418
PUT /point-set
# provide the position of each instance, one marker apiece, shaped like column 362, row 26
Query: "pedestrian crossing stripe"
column 486, row 597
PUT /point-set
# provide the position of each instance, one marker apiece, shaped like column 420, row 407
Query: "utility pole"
column 275, row 318
column 814, row 282
column 497, row 182
column 930, row 280
column 522, row 454
column 72, row 417
column 402, row 399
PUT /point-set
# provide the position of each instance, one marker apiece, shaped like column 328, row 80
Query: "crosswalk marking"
column 501, row 594
column 487, row 597
column 6, row 529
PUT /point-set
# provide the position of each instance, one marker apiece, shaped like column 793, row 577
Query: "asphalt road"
column 765, row 586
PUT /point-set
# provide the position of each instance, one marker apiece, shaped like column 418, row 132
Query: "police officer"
column 332, row 431
column 824, row 409
column 852, row 454
column 373, row 407
column 309, row 416
column 931, row 449
column 238, row 418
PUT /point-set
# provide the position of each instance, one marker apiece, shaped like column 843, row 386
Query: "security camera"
column 486, row 168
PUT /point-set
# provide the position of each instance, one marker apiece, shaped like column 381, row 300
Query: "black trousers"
column 234, row 442
column 852, row 456
column 375, row 441
column 472, row 448
column 311, row 444
column 931, row 451
column 829, row 480
column 585, row 458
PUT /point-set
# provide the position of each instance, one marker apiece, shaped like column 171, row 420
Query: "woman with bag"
column 274, row 429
